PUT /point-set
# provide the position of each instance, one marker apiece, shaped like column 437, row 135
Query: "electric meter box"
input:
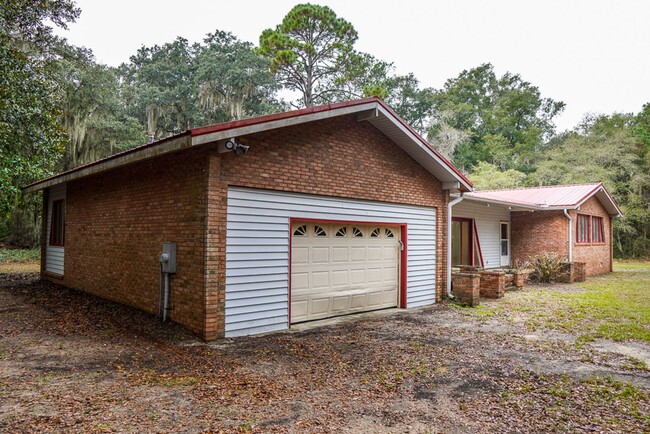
column 168, row 258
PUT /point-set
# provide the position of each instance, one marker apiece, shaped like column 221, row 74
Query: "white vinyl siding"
column 257, row 251
column 488, row 226
column 54, row 255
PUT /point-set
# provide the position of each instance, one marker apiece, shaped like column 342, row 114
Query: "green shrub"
column 548, row 268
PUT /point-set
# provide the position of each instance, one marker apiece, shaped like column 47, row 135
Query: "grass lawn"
column 613, row 306
column 20, row 260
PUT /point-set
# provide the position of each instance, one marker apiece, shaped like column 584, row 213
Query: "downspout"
column 449, row 206
column 570, row 235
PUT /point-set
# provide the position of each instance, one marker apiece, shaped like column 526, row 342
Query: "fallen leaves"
column 72, row 362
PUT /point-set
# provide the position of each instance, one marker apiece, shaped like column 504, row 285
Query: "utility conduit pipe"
column 449, row 220
column 570, row 235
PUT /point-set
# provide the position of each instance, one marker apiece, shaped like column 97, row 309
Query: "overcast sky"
column 594, row 55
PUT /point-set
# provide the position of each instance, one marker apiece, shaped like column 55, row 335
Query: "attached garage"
column 276, row 220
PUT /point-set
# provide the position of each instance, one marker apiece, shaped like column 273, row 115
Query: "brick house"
column 332, row 210
column 502, row 228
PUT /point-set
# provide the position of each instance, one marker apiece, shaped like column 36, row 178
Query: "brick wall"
column 536, row 233
column 597, row 256
column 547, row 231
column 338, row 157
column 115, row 226
column 493, row 284
column 467, row 287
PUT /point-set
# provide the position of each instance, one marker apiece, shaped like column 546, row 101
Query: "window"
column 589, row 229
column 343, row 231
column 582, row 231
column 597, row 233
column 505, row 239
column 300, row 231
column 356, row 232
column 375, row 233
column 389, row 233
column 57, row 223
column 319, row 232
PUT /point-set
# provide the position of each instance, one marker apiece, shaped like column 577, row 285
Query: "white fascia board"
column 610, row 199
column 428, row 150
column 280, row 123
column 504, row 203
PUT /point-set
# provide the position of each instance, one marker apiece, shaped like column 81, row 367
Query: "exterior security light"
column 235, row 147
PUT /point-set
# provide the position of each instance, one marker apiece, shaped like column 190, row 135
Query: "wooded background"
column 59, row 108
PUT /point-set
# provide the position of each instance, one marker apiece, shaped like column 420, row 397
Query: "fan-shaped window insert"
column 343, row 231
column 389, row 234
column 375, row 233
column 319, row 232
column 300, row 231
column 356, row 232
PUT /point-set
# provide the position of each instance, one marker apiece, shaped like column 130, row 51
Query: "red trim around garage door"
column 403, row 253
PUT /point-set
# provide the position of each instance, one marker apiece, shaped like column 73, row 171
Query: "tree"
column 486, row 176
column 93, row 114
column 506, row 117
column 413, row 104
column 161, row 88
column 31, row 139
column 233, row 80
column 604, row 148
column 175, row 86
column 311, row 51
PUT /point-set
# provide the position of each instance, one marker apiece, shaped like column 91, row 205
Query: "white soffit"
column 412, row 145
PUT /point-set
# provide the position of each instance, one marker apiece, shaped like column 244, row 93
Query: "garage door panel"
column 389, row 274
column 340, row 304
column 320, row 279
column 320, row 255
column 299, row 281
column 358, row 254
column 319, row 306
column 374, row 275
column 340, row 254
column 376, row 299
column 389, row 253
column 351, row 268
column 374, row 253
column 359, row 301
column 358, row 277
column 300, row 255
column 340, row 278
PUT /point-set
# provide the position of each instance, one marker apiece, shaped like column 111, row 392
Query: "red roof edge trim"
column 609, row 196
column 426, row 143
column 279, row 116
column 591, row 193
column 110, row 157
column 534, row 187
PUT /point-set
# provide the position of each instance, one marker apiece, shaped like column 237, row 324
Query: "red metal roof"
column 557, row 196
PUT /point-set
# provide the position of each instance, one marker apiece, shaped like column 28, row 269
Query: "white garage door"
column 343, row 268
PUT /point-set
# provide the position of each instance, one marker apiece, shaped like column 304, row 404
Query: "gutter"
column 449, row 206
column 570, row 235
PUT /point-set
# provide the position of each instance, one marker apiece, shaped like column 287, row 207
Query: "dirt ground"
column 70, row 362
